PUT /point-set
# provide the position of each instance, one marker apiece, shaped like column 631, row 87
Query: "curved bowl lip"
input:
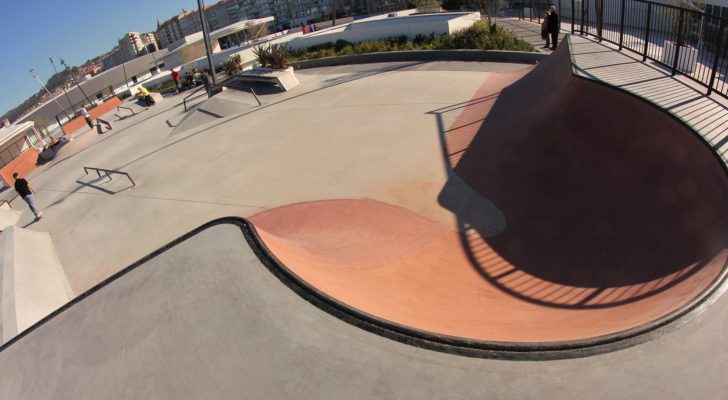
column 512, row 350
column 415, row 337
column 483, row 348
column 431, row 341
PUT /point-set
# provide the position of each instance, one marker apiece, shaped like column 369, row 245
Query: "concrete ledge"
column 33, row 281
column 501, row 56
column 156, row 96
column 8, row 216
column 285, row 79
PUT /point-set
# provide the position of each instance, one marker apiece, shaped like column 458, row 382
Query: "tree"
column 488, row 8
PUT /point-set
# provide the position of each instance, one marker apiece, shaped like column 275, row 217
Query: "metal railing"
column 125, row 108
column 217, row 88
column 184, row 101
column 108, row 173
column 689, row 42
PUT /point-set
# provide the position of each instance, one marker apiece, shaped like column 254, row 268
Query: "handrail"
column 686, row 41
column 108, row 173
column 184, row 101
column 213, row 90
column 254, row 95
column 126, row 108
column 682, row 8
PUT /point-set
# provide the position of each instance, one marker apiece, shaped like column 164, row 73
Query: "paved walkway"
column 685, row 99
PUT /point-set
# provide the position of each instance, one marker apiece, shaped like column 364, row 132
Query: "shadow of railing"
column 552, row 248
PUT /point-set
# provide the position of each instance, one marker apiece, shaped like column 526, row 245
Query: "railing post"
column 718, row 55
column 584, row 8
column 533, row 7
column 621, row 25
column 573, row 5
column 647, row 31
column 600, row 17
column 678, row 44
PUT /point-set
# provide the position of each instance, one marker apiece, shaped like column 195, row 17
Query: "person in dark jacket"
column 26, row 190
column 545, row 30
column 554, row 26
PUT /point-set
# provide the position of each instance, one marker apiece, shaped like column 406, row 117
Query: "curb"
column 501, row 56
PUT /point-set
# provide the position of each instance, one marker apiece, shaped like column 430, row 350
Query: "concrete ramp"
column 8, row 216
column 33, row 281
column 615, row 219
column 222, row 105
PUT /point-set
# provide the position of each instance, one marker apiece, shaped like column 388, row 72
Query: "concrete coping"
column 501, row 56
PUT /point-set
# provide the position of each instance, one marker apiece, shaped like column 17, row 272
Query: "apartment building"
column 169, row 32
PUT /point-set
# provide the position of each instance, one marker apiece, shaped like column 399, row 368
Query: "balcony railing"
column 689, row 42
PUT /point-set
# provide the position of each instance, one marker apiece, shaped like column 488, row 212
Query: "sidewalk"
column 678, row 95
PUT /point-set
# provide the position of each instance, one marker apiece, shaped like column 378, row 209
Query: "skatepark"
column 397, row 230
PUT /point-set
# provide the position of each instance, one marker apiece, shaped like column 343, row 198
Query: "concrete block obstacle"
column 33, row 281
column 155, row 96
column 285, row 79
column 8, row 216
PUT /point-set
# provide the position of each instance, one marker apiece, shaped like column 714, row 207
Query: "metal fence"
column 686, row 41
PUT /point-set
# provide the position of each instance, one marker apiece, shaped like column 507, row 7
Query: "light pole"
column 206, row 38
column 63, row 85
column 32, row 72
column 75, row 81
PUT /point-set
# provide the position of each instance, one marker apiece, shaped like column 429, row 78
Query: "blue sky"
column 32, row 31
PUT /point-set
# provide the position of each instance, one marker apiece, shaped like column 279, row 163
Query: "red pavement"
column 616, row 215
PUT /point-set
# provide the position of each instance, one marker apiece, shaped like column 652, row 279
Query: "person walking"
column 554, row 26
column 26, row 190
column 87, row 117
column 545, row 30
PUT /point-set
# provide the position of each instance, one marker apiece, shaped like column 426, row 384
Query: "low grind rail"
column 686, row 41
column 215, row 89
column 108, row 173
column 125, row 108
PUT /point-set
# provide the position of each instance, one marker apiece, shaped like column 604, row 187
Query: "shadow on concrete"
column 606, row 198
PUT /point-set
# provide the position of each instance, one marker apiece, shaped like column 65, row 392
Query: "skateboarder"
column 87, row 117
column 26, row 190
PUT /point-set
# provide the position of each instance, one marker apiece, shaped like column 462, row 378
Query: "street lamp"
column 32, row 72
column 63, row 86
column 75, row 81
column 206, row 38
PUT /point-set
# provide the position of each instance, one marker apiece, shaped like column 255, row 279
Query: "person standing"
column 545, row 30
column 87, row 117
column 175, row 78
column 554, row 26
column 26, row 190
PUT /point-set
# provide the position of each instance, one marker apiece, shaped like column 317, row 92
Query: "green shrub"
column 233, row 65
column 272, row 56
column 481, row 35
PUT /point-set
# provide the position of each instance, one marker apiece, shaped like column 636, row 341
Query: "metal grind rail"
column 118, row 108
column 686, row 41
column 215, row 89
column 108, row 173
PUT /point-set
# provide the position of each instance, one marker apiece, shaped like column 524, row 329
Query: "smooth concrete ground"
column 346, row 132
column 207, row 320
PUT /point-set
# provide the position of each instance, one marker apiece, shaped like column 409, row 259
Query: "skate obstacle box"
column 34, row 283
